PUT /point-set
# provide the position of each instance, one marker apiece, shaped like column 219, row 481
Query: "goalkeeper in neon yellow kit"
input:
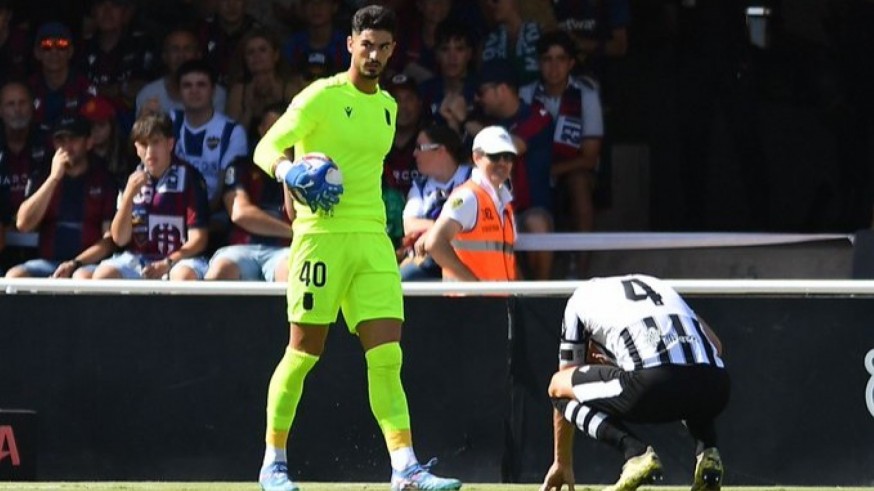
column 341, row 256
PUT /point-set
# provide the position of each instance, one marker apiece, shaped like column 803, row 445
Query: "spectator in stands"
column 474, row 236
column 575, row 106
column 58, row 88
column 205, row 138
column 221, row 33
column 265, row 79
column 514, row 40
column 599, row 29
column 118, row 59
column 23, row 145
column 400, row 165
column 320, row 44
column 261, row 231
column 416, row 54
column 70, row 206
column 451, row 92
column 107, row 141
column 14, row 44
column 438, row 158
column 162, row 212
column 180, row 45
column 531, row 127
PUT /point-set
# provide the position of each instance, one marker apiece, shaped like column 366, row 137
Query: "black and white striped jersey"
column 637, row 320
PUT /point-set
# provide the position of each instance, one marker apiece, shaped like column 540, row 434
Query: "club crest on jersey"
column 653, row 336
column 348, row 110
column 213, row 142
column 230, row 176
column 166, row 232
column 455, row 203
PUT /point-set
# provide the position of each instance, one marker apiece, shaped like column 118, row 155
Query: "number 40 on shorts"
column 313, row 273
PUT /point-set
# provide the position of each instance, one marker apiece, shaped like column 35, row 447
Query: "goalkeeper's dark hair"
column 376, row 18
column 151, row 124
column 445, row 136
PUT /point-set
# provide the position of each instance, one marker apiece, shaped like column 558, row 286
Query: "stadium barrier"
column 151, row 380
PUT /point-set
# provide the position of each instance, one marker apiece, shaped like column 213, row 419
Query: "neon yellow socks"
column 286, row 387
column 389, row 402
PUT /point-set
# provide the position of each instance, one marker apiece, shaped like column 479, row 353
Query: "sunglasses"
column 54, row 43
column 427, row 147
column 505, row 156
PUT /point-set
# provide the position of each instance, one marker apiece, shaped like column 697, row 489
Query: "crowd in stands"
column 128, row 127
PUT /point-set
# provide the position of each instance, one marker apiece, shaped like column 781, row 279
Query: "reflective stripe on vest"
column 487, row 249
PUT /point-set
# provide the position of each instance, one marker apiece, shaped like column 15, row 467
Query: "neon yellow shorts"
column 357, row 272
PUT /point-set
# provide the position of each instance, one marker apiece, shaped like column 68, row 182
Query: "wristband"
column 76, row 263
column 169, row 262
column 282, row 169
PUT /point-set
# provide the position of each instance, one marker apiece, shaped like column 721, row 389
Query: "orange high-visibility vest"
column 487, row 249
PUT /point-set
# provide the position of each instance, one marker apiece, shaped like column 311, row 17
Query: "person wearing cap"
column 319, row 49
column 439, row 161
column 58, row 88
column 106, row 139
column 575, row 105
column 474, row 236
column 531, row 127
column 162, row 95
column 162, row 215
column 400, row 164
column 70, row 205
column 118, row 58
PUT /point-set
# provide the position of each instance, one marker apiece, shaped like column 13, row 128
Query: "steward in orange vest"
column 474, row 236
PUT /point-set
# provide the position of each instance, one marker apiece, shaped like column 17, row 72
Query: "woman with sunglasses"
column 438, row 154
column 474, row 236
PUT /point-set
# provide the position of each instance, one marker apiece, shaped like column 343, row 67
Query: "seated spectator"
column 438, row 158
column 162, row 95
column 70, row 206
column 320, row 43
column 205, row 138
column 265, row 80
column 5, row 222
column 416, row 45
column 221, row 33
column 400, row 169
column 162, row 212
column 106, row 139
column 575, row 106
column 450, row 95
column 23, row 145
column 514, row 40
column 58, row 88
column 261, row 231
column 474, row 236
column 531, row 128
column 599, row 29
column 118, row 59
column 14, row 44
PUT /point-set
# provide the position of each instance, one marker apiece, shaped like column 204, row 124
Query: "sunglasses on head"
column 505, row 156
column 427, row 147
column 54, row 43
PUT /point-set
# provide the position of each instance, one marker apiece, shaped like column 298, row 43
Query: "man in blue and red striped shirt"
column 70, row 205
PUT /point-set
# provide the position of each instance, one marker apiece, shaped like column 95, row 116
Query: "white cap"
column 494, row 139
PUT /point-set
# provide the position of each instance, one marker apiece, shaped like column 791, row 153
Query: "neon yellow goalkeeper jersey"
column 356, row 131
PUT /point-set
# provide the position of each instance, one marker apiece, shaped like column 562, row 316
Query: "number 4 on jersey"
column 632, row 294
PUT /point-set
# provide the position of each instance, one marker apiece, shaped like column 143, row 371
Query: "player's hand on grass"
column 558, row 476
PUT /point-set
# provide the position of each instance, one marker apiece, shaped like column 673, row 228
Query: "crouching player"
column 633, row 351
